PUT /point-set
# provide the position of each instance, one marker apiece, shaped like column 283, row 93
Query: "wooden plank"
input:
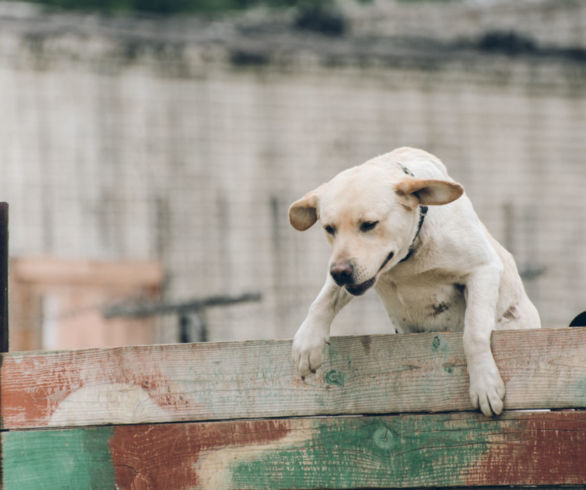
column 546, row 448
column 45, row 270
column 216, row 381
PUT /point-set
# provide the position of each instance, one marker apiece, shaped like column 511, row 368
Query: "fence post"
column 3, row 304
column 3, row 277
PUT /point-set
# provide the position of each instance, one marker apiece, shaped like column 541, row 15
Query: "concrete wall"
column 121, row 143
column 547, row 22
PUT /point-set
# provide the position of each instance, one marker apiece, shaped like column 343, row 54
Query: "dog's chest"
column 424, row 303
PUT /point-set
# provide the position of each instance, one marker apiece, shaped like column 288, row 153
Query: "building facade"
column 183, row 142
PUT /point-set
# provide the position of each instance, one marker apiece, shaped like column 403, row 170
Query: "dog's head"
column 370, row 217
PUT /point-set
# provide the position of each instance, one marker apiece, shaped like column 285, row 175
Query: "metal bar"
column 150, row 309
column 4, row 277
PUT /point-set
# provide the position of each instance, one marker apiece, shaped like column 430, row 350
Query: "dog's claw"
column 487, row 393
column 308, row 351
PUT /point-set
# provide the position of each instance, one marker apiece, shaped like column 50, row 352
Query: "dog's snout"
column 342, row 272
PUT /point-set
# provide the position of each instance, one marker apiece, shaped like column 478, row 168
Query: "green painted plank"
column 214, row 381
column 466, row 449
column 65, row 459
column 423, row 451
column 371, row 452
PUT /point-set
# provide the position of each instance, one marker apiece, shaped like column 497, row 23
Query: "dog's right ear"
column 303, row 213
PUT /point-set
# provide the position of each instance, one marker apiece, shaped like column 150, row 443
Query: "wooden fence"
column 383, row 411
column 235, row 415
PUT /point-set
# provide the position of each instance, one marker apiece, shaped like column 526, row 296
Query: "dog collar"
column 422, row 213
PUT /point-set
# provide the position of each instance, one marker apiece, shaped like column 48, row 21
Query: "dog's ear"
column 427, row 192
column 303, row 212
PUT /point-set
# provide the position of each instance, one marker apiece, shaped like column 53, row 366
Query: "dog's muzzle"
column 343, row 274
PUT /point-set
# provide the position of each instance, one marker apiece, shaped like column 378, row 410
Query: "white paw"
column 487, row 390
column 308, row 347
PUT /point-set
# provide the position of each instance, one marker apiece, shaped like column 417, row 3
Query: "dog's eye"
column 368, row 225
column 330, row 229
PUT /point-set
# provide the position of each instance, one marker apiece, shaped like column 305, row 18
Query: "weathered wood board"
column 464, row 449
column 216, row 381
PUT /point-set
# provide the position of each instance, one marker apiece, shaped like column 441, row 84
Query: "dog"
column 399, row 224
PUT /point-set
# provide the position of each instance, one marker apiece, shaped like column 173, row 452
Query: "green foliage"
column 177, row 6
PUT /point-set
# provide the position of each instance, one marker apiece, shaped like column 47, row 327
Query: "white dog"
column 435, row 268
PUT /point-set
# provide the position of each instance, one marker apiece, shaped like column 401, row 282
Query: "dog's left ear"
column 428, row 192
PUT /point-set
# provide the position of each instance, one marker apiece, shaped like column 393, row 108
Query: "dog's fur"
column 446, row 273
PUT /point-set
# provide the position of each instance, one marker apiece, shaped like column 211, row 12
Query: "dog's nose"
column 342, row 272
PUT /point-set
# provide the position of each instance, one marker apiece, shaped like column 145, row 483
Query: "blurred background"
column 149, row 150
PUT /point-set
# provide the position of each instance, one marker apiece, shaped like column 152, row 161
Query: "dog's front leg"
column 314, row 332
column 487, row 389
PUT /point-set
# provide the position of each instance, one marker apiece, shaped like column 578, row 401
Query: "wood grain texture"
column 464, row 450
column 216, row 381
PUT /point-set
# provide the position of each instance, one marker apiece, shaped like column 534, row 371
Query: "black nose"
column 342, row 272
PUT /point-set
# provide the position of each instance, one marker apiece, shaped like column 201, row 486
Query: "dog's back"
column 419, row 162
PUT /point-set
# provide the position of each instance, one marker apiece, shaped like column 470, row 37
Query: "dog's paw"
column 487, row 390
column 308, row 350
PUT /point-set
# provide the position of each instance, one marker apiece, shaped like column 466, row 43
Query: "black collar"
column 422, row 212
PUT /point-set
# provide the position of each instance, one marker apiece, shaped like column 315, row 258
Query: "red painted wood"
column 152, row 456
column 36, row 384
column 547, row 448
